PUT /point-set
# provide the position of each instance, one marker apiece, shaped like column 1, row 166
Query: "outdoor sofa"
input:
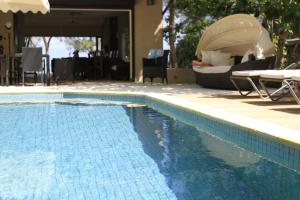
column 238, row 35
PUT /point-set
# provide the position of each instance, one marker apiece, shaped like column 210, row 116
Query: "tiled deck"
column 277, row 118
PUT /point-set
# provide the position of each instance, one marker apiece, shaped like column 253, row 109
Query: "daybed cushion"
column 217, row 58
column 212, row 70
column 220, row 59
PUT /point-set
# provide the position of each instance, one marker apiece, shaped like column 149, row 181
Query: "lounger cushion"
column 296, row 78
column 279, row 74
column 250, row 73
column 246, row 73
column 212, row 70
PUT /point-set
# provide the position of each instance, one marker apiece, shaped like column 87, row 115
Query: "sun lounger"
column 293, row 86
column 252, row 76
column 285, row 77
column 296, row 80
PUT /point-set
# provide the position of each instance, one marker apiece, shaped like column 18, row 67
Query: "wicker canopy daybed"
column 237, row 37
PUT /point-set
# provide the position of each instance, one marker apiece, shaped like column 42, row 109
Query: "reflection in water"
column 199, row 166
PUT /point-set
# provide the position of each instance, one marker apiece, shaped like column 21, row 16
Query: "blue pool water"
column 59, row 151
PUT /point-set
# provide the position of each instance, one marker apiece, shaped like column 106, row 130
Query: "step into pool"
column 76, row 147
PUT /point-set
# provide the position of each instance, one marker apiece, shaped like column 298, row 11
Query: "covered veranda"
column 116, row 26
column 109, row 55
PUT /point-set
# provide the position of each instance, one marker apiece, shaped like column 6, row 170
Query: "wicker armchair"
column 156, row 67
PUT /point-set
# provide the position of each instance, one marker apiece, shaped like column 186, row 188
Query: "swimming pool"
column 92, row 147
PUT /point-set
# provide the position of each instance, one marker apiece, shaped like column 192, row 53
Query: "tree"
column 187, row 45
column 32, row 41
column 170, row 31
column 172, row 34
column 80, row 44
column 282, row 17
column 198, row 14
column 46, row 41
column 36, row 41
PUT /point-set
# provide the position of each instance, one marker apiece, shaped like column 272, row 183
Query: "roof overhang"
column 25, row 6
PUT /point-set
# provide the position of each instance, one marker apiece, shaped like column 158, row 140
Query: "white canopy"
column 25, row 6
column 236, row 34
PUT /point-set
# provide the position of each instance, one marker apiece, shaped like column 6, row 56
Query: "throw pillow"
column 220, row 59
column 159, row 53
column 247, row 56
column 152, row 54
column 155, row 53
column 205, row 56
column 260, row 53
column 200, row 63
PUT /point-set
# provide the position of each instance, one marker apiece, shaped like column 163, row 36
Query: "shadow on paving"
column 235, row 97
column 295, row 111
column 270, row 103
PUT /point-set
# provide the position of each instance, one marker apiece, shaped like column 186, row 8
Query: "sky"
column 58, row 49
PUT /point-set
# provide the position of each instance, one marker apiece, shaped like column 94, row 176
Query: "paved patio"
column 280, row 119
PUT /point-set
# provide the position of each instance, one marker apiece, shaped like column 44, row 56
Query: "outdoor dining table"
column 8, row 68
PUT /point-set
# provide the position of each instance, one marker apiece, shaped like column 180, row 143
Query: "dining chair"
column 31, row 62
